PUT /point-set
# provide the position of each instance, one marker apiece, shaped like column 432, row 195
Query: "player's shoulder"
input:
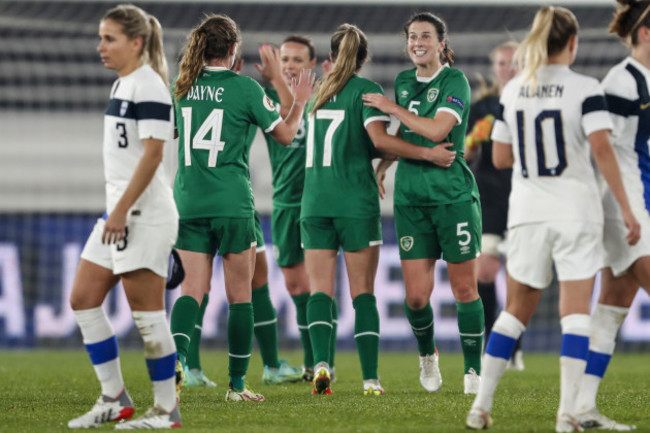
column 407, row 75
column 365, row 84
column 620, row 80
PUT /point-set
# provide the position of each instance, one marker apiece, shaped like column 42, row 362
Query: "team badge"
column 123, row 108
column 432, row 94
column 406, row 242
column 268, row 104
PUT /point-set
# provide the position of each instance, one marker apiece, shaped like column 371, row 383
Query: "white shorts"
column 146, row 247
column 576, row 248
column 618, row 254
column 490, row 244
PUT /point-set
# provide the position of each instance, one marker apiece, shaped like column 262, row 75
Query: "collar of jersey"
column 215, row 68
column 429, row 79
column 640, row 66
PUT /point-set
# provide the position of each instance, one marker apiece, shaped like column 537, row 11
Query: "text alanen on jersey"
column 205, row 93
column 542, row 91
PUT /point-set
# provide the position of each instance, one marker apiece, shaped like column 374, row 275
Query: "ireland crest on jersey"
column 432, row 94
column 406, row 242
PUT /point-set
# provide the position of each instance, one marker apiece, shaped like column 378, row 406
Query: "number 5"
column 460, row 232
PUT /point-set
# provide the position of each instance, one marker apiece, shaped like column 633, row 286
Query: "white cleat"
column 105, row 410
column 471, row 382
column 430, row 376
column 478, row 419
column 594, row 419
column 154, row 418
column 565, row 423
column 516, row 362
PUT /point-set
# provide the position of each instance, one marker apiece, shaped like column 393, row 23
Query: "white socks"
column 573, row 359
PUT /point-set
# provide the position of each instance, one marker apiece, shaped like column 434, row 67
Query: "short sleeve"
column 153, row 110
column 595, row 116
column 262, row 108
column 456, row 96
column 500, row 131
column 372, row 114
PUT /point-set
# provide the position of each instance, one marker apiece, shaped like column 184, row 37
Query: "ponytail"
column 191, row 64
column 154, row 50
column 629, row 18
column 350, row 49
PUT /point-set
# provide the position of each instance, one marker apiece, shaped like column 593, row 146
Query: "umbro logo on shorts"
column 406, row 242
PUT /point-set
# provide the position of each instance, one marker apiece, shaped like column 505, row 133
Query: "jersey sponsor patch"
column 432, row 94
column 268, row 103
column 406, row 242
column 455, row 100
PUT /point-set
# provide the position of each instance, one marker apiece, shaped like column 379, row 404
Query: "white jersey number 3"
column 210, row 128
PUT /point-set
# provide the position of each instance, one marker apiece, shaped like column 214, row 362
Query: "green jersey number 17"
column 337, row 117
column 212, row 126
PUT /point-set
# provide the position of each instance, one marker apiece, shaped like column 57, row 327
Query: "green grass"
column 41, row 390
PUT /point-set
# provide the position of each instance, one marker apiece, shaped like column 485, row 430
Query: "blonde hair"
column 349, row 47
column 212, row 39
column 552, row 28
column 628, row 19
column 484, row 88
column 136, row 23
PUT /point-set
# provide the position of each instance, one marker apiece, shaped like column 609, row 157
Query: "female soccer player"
column 550, row 113
column 627, row 268
column 437, row 212
column 340, row 203
column 216, row 108
column 493, row 184
column 133, row 240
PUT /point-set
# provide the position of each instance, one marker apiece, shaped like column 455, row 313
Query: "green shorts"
column 451, row 232
column 285, row 232
column 211, row 235
column 353, row 234
column 259, row 233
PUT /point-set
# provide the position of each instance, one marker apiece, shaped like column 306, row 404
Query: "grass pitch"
column 41, row 390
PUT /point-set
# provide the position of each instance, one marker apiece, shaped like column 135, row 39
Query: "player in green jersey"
column 437, row 212
column 279, row 67
column 215, row 110
column 340, row 202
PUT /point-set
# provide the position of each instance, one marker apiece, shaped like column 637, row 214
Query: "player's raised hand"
column 303, row 87
column 271, row 68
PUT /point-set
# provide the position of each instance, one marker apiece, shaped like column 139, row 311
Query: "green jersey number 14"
column 337, row 117
column 212, row 126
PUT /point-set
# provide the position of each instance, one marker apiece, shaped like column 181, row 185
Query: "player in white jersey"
column 133, row 240
column 551, row 118
column 627, row 267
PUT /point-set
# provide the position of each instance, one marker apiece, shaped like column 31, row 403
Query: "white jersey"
column 552, row 177
column 140, row 107
column 628, row 100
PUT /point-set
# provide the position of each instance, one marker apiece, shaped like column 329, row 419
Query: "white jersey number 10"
column 554, row 116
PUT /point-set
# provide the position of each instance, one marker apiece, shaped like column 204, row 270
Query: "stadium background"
column 53, row 91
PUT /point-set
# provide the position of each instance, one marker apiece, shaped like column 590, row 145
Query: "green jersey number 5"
column 210, row 128
column 336, row 117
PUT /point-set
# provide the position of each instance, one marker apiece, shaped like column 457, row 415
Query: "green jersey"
column 215, row 119
column 339, row 177
column 287, row 164
column 419, row 183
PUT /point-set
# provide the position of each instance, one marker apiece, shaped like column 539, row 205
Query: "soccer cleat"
column 307, row 374
column 246, row 395
column 478, row 419
column 373, row 387
column 594, row 419
column 333, row 374
column 180, row 369
column 285, row 373
column 472, row 382
column 516, row 362
column 328, row 391
column 196, row 377
column 156, row 417
column 322, row 380
column 430, row 376
column 565, row 423
column 106, row 409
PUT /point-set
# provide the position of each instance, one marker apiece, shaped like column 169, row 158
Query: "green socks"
column 301, row 317
column 422, row 325
column 335, row 324
column 319, row 317
column 240, row 342
column 193, row 352
column 266, row 326
column 183, row 321
column 471, row 327
column 366, row 333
